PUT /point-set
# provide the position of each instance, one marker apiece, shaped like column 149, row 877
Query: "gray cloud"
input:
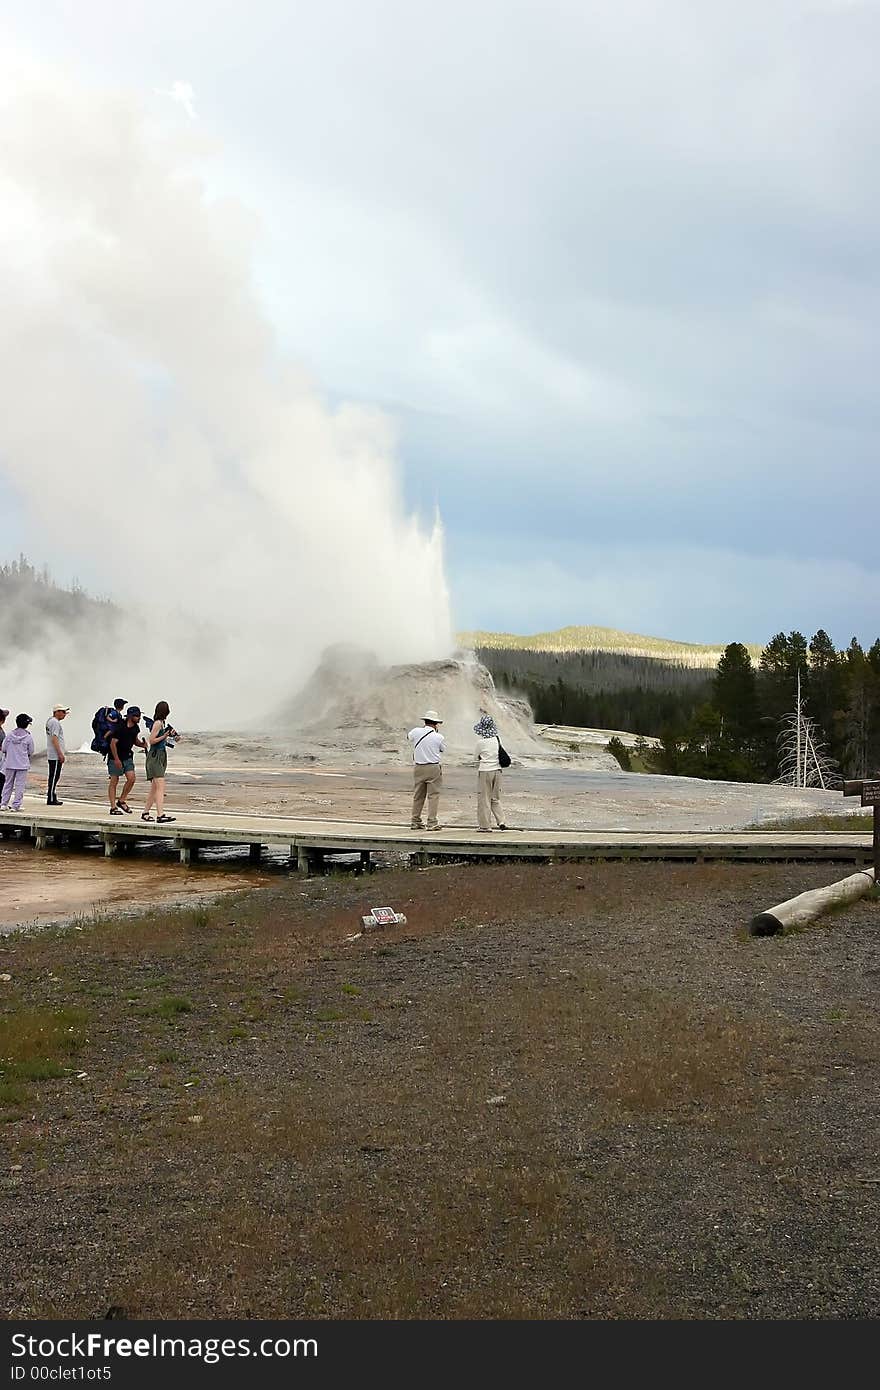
column 616, row 267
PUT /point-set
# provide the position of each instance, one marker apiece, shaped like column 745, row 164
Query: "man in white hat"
column 55, row 750
column 428, row 745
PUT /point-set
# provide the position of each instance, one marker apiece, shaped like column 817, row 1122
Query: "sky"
column 610, row 272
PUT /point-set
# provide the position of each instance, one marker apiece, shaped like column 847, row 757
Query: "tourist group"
column 117, row 733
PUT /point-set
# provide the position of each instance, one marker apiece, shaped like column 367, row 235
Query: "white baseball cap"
column 432, row 717
column 59, row 704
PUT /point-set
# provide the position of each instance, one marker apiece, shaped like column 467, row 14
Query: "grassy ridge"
column 604, row 639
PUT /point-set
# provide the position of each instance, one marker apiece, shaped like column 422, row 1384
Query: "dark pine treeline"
column 723, row 723
column 601, row 690
column 33, row 607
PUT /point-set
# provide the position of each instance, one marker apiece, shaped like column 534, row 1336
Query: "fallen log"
column 806, row 907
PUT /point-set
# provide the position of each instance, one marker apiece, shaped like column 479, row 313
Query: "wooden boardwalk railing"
column 310, row 841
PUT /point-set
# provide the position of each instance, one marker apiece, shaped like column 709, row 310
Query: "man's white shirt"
column 54, row 730
column 427, row 744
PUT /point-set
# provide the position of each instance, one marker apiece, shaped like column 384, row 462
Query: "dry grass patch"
column 481, row 1242
column 617, row 1046
column 857, row 823
column 35, row 1045
column 255, row 1132
column 457, row 1188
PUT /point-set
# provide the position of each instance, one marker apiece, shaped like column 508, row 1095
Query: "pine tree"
column 735, row 693
column 826, row 682
column 779, row 672
column 858, row 715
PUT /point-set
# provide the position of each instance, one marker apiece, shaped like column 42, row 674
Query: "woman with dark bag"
column 491, row 758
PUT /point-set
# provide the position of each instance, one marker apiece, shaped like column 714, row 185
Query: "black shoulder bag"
column 503, row 755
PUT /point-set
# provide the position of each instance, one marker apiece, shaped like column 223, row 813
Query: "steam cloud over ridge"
column 151, row 424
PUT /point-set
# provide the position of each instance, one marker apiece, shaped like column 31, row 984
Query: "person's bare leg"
column 130, row 778
column 159, row 793
column 111, row 791
column 151, row 797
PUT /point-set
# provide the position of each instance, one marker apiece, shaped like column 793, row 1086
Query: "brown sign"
column 871, row 793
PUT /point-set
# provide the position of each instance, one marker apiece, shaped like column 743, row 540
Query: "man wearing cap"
column 123, row 738
column 428, row 745
column 55, row 751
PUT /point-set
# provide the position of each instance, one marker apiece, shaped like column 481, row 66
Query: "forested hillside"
column 723, row 723
column 577, row 640
column 605, row 690
column 33, row 608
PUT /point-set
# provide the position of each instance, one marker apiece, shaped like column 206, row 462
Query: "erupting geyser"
column 160, row 445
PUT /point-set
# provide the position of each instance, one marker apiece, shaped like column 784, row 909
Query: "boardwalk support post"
column 254, row 853
column 869, row 791
column 111, row 844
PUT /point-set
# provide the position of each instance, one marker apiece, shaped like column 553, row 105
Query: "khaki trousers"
column 427, row 779
column 488, row 799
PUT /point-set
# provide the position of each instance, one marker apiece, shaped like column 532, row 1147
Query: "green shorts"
column 113, row 768
column 157, row 763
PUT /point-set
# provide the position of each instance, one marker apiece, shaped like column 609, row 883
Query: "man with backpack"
column 124, row 735
column 106, row 719
column 428, row 745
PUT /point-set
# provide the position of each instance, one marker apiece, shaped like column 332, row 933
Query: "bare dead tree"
column 803, row 757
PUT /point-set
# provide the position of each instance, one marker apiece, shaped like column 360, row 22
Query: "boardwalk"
column 310, row 841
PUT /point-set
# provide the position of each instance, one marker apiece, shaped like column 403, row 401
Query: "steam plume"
column 151, row 421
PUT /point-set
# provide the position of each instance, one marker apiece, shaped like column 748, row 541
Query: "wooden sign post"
column 869, row 791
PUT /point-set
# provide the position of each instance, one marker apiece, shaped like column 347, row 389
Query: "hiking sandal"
column 164, row 820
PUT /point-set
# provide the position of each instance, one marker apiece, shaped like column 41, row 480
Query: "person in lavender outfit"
column 18, row 747
column 4, row 715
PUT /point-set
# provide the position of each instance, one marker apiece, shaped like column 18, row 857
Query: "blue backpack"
column 102, row 724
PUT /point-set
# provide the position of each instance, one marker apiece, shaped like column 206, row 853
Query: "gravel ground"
column 561, row 1091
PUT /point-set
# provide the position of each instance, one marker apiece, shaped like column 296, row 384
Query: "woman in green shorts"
column 157, row 763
